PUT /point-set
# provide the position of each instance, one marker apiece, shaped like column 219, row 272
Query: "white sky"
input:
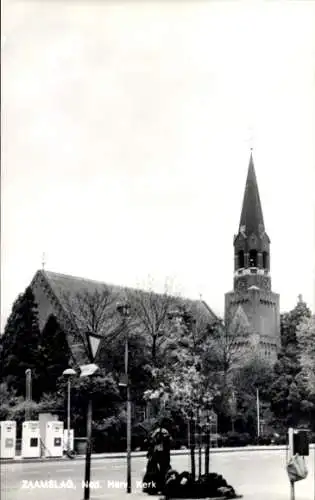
column 125, row 141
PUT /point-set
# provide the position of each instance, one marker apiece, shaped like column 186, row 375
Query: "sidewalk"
column 142, row 496
column 128, row 496
column 136, row 454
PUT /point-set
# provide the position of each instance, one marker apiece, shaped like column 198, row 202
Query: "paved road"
column 258, row 475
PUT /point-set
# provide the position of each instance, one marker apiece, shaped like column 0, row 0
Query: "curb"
column 141, row 454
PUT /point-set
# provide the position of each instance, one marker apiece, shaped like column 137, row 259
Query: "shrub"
column 234, row 439
column 264, row 440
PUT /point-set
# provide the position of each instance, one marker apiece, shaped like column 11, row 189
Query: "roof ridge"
column 208, row 307
column 81, row 278
column 46, row 273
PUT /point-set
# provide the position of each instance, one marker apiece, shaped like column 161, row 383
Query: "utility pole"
column 192, row 445
column 258, row 413
column 89, row 370
column 128, row 414
column 208, row 444
column 87, row 477
column 291, row 446
column 199, row 444
column 124, row 311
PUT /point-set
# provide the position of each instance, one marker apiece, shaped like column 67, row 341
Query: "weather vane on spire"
column 43, row 261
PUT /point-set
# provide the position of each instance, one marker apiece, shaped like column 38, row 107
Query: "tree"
column 13, row 407
column 150, row 314
column 20, row 345
column 95, row 311
column 306, row 339
column 89, row 312
column 289, row 323
column 306, row 336
column 55, row 354
column 290, row 397
column 103, row 389
column 184, row 381
column 8, row 399
column 181, row 353
column 247, row 379
column 227, row 347
column 112, row 356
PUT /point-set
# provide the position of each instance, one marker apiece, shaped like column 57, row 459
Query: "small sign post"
column 298, row 450
column 94, row 342
column 292, row 490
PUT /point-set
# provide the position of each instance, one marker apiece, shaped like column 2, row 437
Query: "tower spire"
column 251, row 220
column 252, row 302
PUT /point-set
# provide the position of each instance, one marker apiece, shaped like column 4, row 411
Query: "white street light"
column 69, row 372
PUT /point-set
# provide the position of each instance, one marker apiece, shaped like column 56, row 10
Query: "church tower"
column 252, row 299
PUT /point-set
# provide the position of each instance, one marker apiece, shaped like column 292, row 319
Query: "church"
column 251, row 303
column 252, row 300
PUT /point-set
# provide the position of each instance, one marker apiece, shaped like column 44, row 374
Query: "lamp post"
column 124, row 311
column 28, row 393
column 192, row 423
column 199, row 443
column 208, row 444
column 69, row 372
column 233, row 409
column 86, row 371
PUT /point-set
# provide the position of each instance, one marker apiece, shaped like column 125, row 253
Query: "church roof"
column 252, row 215
column 62, row 284
column 62, row 289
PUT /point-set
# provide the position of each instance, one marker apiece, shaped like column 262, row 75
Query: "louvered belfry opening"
column 253, row 258
column 265, row 257
column 241, row 260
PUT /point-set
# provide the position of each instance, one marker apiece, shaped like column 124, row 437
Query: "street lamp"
column 69, row 372
column 87, row 371
column 124, row 311
column 233, row 409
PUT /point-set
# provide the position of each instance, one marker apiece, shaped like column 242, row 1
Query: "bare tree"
column 227, row 347
column 150, row 316
column 90, row 311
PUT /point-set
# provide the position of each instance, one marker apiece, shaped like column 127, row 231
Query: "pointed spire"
column 252, row 220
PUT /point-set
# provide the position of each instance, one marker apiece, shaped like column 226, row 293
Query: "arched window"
column 240, row 259
column 253, row 258
column 265, row 260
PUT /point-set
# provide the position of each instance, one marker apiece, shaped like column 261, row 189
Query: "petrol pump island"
column 40, row 439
